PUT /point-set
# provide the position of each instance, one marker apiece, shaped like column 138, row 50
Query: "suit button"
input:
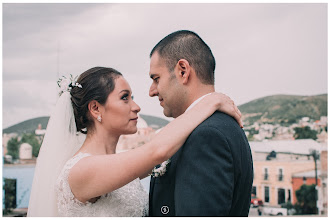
column 165, row 209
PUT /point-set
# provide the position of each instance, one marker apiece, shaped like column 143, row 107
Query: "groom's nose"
column 153, row 90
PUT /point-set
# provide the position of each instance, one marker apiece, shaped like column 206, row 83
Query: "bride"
column 78, row 172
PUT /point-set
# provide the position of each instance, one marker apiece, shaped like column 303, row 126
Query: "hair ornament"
column 66, row 84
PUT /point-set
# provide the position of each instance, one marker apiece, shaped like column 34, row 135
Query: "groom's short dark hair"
column 187, row 45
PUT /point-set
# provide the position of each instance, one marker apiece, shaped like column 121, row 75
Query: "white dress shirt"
column 196, row 101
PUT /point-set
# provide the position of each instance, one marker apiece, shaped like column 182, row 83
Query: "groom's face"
column 165, row 85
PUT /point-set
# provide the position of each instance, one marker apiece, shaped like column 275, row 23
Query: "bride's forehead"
column 122, row 84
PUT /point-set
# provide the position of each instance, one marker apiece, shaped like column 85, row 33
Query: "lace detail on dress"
column 129, row 200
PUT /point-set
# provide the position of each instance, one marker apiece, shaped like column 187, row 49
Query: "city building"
column 305, row 177
column 25, row 151
column 275, row 162
column 324, row 181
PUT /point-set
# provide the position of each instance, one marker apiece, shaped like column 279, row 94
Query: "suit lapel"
column 152, row 184
column 151, row 189
column 171, row 171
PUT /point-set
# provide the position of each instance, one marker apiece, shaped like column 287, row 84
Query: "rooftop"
column 306, row 174
column 302, row 146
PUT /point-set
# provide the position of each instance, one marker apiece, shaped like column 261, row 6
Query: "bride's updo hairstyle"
column 97, row 83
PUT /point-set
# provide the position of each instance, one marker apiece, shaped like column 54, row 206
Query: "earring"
column 99, row 118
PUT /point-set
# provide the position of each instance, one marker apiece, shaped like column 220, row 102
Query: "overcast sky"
column 260, row 49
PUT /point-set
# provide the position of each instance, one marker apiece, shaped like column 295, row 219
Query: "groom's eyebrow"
column 152, row 76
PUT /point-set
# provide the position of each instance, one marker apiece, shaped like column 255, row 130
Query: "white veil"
column 60, row 143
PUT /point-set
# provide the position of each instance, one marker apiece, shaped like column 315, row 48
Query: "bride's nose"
column 135, row 107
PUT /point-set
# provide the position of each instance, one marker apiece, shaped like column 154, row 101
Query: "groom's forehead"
column 156, row 60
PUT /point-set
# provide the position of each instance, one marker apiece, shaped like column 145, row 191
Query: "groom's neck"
column 195, row 93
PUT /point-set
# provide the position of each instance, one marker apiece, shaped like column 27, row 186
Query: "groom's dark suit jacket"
column 211, row 174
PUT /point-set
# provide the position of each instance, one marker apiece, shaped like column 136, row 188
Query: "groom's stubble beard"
column 175, row 99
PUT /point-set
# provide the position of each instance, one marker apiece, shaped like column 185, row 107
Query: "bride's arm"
column 97, row 175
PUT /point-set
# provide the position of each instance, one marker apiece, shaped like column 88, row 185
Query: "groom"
column 211, row 175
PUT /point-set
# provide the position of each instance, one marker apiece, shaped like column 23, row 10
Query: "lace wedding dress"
column 129, row 200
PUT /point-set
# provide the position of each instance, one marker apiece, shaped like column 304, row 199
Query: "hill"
column 154, row 122
column 29, row 126
column 285, row 109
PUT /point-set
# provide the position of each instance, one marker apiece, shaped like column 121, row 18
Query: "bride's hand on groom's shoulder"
column 226, row 105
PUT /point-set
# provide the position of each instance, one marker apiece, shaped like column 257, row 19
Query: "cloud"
column 260, row 49
column 25, row 99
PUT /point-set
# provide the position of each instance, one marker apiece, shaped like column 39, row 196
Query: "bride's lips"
column 161, row 101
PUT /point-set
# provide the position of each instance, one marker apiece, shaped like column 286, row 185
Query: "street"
column 253, row 212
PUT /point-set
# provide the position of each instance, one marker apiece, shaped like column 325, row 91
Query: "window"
column 10, row 190
column 265, row 173
column 254, row 190
column 266, row 194
column 280, row 196
column 289, row 195
column 280, row 174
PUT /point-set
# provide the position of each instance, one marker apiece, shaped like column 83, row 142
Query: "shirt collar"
column 196, row 101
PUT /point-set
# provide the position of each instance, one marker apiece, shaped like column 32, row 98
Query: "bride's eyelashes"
column 125, row 97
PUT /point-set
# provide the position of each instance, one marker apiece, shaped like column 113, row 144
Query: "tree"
column 9, row 187
column 305, row 133
column 13, row 147
column 252, row 132
column 306, row 200
column 33, row 141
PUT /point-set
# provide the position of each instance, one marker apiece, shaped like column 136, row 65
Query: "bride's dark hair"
column 97, row 83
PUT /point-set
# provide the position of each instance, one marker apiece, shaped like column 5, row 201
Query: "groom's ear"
column 183, row 70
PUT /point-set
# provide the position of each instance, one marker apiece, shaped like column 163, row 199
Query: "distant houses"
column 147, row 126
column 281, row 163
column 261, row 131
column 282, row 166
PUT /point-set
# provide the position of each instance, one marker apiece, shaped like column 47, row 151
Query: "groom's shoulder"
column 219, row 121
column 217, row 124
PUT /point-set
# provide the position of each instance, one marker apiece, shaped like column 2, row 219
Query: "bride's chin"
column 131, row 131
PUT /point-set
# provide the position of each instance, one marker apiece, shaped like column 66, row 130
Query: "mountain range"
column 29, row 126
column 283, row 109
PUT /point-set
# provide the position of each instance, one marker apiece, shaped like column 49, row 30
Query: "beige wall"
column 289, row 167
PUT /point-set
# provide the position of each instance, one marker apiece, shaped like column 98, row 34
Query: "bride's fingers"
column 239, row 120
column 232, row 110
column 241, row 123
column 238, row 111
column 239, row 116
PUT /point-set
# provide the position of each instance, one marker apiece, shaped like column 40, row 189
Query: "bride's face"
column 120, row 111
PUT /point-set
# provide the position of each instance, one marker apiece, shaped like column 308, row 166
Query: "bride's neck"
column 100, row 143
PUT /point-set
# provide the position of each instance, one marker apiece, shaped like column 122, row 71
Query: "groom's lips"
column 134, row 119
